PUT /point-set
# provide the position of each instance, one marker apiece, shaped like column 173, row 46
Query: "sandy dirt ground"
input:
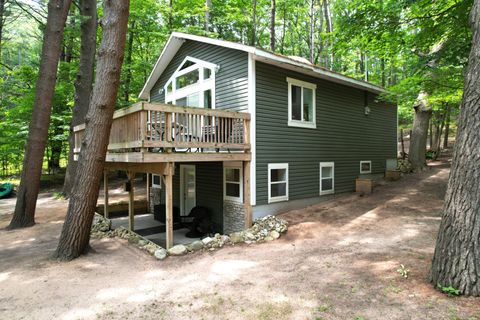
column 339, row 260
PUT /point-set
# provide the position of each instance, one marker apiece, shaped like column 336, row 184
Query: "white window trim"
column 365, row 161
column 322, row 165
column 232, row 165
column 182, row 186
column 200, row 87
column 300, row 123
column 154, row 185
column 277, row 166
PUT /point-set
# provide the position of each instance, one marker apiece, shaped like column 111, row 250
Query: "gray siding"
column 209, row 188
column 231, row 81
column 343, row 135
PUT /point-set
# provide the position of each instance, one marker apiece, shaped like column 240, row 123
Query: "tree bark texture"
column 418, row 138
column 456, row 261
column 24, row 214
column 84, row 81
column 75, row 234
column 272, row 25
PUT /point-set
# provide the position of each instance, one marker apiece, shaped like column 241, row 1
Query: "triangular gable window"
column 192, row 84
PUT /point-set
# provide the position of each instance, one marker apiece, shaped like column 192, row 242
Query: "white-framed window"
column 365, row 167
column 156, row 181
column 277, row 182
column 192, row 84
column 301, row 103
column 233, row 181
column 327, row 178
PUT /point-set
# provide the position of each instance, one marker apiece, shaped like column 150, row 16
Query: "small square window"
column 277, row 182
column 365, row 167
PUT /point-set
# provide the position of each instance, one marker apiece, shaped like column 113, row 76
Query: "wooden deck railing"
column 155, row 127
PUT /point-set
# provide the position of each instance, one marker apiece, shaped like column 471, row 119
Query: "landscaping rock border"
column 264, row 229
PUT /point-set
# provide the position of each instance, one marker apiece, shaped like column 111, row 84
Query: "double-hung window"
column 301, row 103
column 327, row 172
column 232, row 182
column 277, row 182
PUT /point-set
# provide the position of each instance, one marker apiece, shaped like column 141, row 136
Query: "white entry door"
column 187, row 189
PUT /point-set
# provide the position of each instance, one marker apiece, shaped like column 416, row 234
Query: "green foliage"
column 451, row 291
column 387, row 42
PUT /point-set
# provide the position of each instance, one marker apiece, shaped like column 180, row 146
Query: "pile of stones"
column 267, row 228
column 100, row 226
column 405, row 166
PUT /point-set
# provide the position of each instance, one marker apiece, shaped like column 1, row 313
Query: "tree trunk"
column 329, row 29
column 208, row 5
column 430, row 136
column 284, row 29
column 418, row 138
column 2, row 13
column 312, row 31
column 76, row 229
column 403, row 144
column 128, row 61
column 382, row 67
column 24, row 214
column 447, row 127
column 272, row 26
column 83, row 83
column 456, row 262
column 254, row 23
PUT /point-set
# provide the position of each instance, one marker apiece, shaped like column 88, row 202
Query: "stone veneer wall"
column 233, row 217
column 155, row 197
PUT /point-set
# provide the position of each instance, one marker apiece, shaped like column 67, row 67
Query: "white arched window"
column 192, row 84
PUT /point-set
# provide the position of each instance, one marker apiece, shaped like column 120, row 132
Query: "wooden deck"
column 155, row 132
column 151, row 137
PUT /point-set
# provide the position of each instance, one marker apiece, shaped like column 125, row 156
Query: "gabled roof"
column 177, row 38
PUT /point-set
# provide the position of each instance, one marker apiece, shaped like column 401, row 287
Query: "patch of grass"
column 273, row 311
column 323, row 308
column 393, row 288
column 359, row 318
column 59, row 196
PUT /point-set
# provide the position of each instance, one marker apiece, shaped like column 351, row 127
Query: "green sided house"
column 244, row 132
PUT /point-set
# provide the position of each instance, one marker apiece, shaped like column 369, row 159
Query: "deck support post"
column 105, row 194
column 246, row 194
column 148, row 192
column 131, row 201
column 168, row 173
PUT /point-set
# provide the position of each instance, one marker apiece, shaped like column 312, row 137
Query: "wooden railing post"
column 143, row 129
column 168, row 129
column 246, row 131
